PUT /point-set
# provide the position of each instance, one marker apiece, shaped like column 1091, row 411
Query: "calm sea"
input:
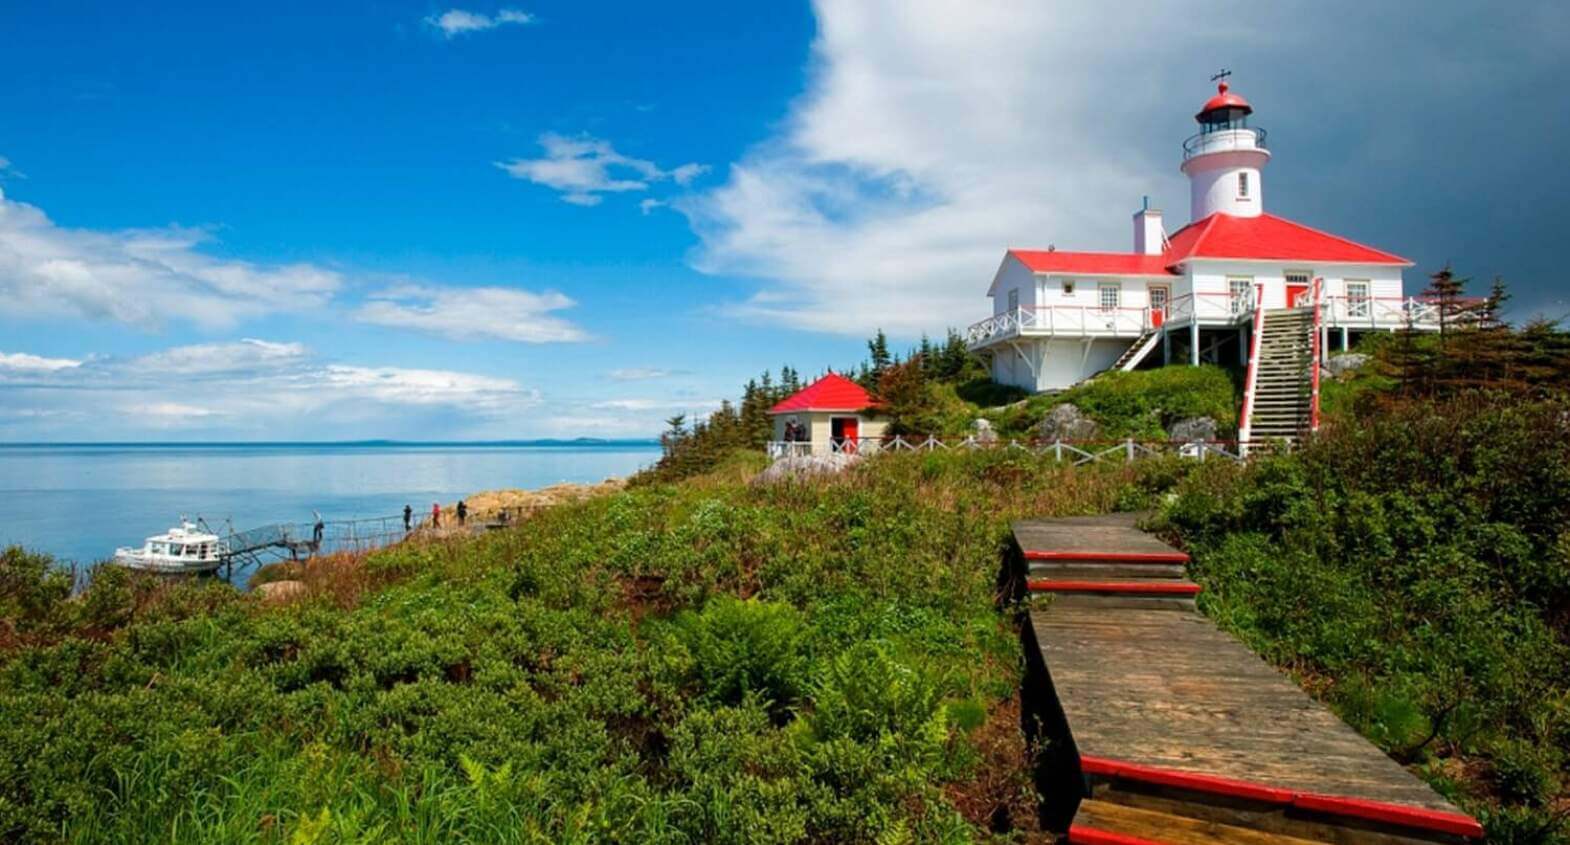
column 78, row 502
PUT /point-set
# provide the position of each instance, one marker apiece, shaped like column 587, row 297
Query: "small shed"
column 833, row 414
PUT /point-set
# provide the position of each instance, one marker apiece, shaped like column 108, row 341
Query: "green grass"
column 708, row 661
column 1139, row 404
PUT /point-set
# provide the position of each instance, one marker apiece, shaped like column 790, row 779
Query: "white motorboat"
column 187, row 548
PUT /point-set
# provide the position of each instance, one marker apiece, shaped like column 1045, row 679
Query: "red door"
column 1295, row 291
column 845, row 431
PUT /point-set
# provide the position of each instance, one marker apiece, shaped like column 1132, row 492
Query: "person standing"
column 316, row 530
column 436, row 514
column 463, row 511
column 408, row 519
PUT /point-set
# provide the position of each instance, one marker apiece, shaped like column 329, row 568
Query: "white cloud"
column 24, row 361
column 647, row 206
column 253, row 387
column 473, row 313
column 640, row 373
column 927, row 141
column 455, row 22
column 583, row 168
column 146, row 278
column 665, row 404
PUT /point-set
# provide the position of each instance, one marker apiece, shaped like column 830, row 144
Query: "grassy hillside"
column 706, row 661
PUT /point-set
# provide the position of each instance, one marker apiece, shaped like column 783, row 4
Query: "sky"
column 406, row 220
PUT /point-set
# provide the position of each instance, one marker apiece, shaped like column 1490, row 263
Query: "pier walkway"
column 1161, row 728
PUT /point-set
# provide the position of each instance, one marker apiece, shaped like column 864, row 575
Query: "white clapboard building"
column 1196, row 294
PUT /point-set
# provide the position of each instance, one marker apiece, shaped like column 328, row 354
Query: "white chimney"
column 1149, row 237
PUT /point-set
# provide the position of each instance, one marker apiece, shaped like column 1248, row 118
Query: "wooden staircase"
column 1110, row 823
column 1138, row 351
column 1281, row 406
column 1146, row 576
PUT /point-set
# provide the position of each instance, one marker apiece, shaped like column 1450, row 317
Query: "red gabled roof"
column 1268, row 238
column 1102, row 263
column 833, row 392
column 1219, row 236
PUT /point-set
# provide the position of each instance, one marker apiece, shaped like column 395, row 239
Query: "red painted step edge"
column 1145, row 588
column 1081, row 835
column 1110, row 557
column 1336, row 805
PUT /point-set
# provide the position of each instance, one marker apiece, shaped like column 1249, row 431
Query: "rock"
column 1066, row 422
column 1192, row 429
column 1346, row 362
column 984, row 432
column 280, row 592
column 806, row 466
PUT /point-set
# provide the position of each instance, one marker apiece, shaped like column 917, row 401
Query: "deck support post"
column 1193, row 343
column 1242, row 345
column 1166, row 347
column 1346, row 342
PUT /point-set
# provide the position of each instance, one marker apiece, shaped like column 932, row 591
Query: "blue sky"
column 559, row 219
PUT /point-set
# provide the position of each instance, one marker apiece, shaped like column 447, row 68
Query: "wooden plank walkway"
column 1156, row 688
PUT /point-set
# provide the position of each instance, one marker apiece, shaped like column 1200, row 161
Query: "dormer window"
column 1242, row 185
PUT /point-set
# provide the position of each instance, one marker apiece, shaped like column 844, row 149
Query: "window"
column 1109, row 295
column 1238, row 290
column 1357, row 299
column 1242, row 185
column 1158, row 297
column 1068, row 287
column 1013, row 299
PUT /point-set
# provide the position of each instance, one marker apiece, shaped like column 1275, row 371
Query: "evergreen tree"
column 878, row 354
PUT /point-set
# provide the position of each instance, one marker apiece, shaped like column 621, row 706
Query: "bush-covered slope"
column 1412, row 567
column 702, row 662
column 1139, row 404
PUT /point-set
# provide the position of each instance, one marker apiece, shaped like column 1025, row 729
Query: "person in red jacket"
column 436, row 515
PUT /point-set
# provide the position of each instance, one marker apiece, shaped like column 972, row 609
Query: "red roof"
column 1225, row 99
column 1268, row 237
column 1102, row 263
column 833, row 392
column 1220, row 236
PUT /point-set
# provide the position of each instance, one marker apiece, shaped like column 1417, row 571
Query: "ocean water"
column 79, row 502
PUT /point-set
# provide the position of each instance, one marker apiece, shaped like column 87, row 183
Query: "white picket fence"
column 1076, row 451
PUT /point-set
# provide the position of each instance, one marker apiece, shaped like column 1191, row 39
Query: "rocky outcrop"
column 1339, row 365
column 280, row 592
column 1067, row 422
column 982, row 430
column 1192, row 429
column 806, row 466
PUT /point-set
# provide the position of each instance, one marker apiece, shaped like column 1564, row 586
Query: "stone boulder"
column 1067, row 422
column 805, row 466
column 982, row 431
column 1192, row 429
column 1346, row 362
column 280, row 592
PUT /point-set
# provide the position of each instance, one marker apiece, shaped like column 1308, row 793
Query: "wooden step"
column 1107, row 823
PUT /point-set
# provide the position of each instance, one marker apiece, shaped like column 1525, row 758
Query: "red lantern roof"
column 1224, row 99
column 833, row 392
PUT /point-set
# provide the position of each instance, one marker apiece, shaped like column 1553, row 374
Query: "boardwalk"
column 1167, row 714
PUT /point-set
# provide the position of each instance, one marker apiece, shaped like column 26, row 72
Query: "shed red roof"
column 833, row 392
column 1220, row 236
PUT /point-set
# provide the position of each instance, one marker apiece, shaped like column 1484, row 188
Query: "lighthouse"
column 1224, row 159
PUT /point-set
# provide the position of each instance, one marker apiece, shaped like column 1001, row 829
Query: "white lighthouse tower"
column 1224, row 159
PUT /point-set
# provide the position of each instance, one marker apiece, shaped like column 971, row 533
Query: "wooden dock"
column 1172, row 728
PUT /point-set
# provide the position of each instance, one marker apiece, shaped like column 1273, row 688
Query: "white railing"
column 1077, row 451
column 1379, row 312
column 1062, row 321
column 1214, row 307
